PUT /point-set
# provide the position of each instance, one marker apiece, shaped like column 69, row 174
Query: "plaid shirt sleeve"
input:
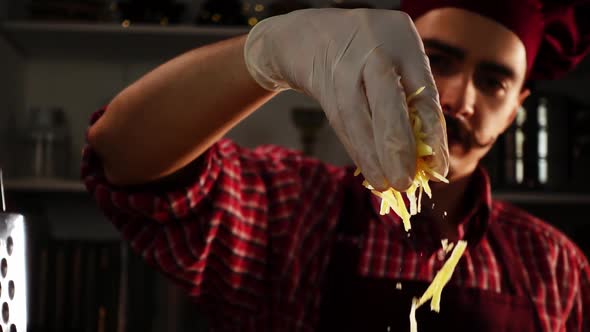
column 557, row 270
column 579, row 315
column 212, row 233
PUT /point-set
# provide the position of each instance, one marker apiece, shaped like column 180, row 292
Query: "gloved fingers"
column 356, row 125
column 414, row 69
column 337, row 123
column 392, row 131
column 413, row 66
column 434, row 126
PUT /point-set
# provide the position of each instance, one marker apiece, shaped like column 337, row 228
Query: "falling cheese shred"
column 392, row 199
column 434, row 291
column 446, row 245
column 442, row 277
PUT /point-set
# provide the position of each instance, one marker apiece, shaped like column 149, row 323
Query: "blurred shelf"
column 110, row 40
column 542, row 197
column 73, row 186
column 44, row 185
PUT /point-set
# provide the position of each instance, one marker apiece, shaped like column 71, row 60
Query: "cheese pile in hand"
column 392, row 199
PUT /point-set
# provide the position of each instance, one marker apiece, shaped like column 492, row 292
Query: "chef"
column 266, row 239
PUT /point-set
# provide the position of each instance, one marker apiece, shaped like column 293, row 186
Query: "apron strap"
column 351, row 227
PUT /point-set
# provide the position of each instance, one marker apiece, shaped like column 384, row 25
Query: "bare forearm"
column 173, row 114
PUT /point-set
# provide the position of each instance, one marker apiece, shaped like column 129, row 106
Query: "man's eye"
column 491, row 85
column 440, row 64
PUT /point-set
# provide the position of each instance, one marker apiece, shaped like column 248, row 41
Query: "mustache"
column 460, row 131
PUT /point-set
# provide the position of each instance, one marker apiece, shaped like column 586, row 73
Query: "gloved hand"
column 359, row 65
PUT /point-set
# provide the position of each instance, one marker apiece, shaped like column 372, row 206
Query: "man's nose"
column 458, row 97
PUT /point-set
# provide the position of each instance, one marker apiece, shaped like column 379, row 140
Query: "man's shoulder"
column 512, row 216
column 525, row 225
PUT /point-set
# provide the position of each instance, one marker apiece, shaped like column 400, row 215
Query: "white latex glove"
column 359, row 65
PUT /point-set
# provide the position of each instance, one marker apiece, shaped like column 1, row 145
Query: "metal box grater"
column 13, row 274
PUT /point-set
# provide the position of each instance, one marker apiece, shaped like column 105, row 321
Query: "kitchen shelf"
column 111, row 40
column 542, row 197
column 74, row 186
column 44, row 185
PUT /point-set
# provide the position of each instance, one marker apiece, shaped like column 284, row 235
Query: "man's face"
column 479, row 67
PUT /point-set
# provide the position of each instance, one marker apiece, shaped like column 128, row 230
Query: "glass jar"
column 47, row 144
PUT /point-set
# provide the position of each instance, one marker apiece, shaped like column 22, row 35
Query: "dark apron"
column 356, row 303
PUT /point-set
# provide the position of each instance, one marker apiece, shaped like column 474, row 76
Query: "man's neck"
column 448, row 206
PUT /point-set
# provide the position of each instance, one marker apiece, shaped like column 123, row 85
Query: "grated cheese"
column 434, row 291
column 446, row 245
column 413, row 322
column 392, row 199
column 442, row 277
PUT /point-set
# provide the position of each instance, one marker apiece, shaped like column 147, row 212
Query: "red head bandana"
column 555, row 34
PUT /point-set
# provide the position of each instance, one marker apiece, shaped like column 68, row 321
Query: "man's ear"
column 522, row 96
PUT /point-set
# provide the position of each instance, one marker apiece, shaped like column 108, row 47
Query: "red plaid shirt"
column 249, row 235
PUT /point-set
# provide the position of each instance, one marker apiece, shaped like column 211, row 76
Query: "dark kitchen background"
column 62, row 59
